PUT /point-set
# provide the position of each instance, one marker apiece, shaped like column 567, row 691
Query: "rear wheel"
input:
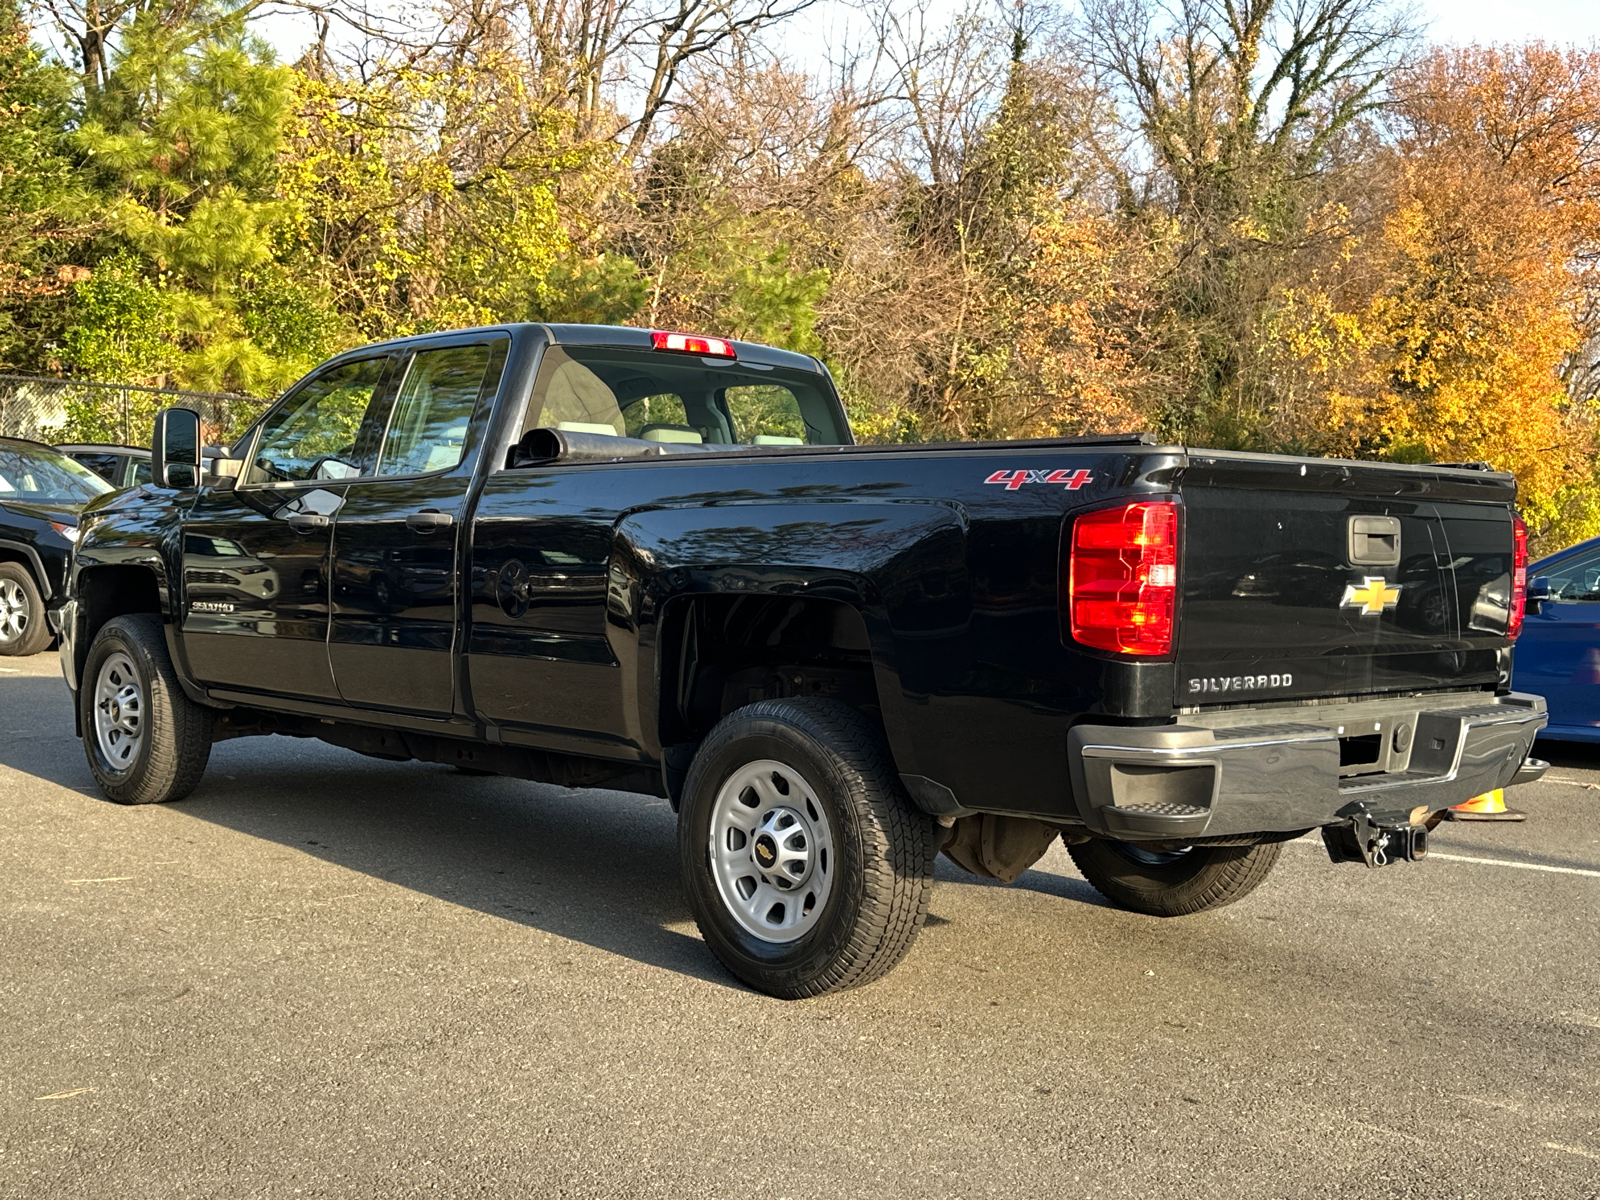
column 807, row 867
column 23, row 629
column 146, row 741
column 1173, row 883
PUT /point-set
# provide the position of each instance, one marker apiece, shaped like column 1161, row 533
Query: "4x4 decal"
column 1071, row 480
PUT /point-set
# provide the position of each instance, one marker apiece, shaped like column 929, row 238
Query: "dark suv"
column 41, row 494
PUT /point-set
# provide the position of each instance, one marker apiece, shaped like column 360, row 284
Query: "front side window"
column 47, row 477
column 680, row 398
column 1576, row 578
column 317, row 432
column 428, row 427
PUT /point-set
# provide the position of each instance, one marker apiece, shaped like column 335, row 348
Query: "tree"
column 1454, row 331
column 43, row 210
column 1241, row 113
column 183, row 139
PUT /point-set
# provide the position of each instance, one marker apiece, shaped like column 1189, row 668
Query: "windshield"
column 680, row 398
column 46, row 477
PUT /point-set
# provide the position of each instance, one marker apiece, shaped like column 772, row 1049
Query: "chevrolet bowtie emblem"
column 1373, row 596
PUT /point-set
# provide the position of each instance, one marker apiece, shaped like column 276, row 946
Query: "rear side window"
column 428, row 425
column 681, row 398
column 1578, row 578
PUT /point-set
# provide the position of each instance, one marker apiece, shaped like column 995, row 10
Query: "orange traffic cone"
column 1491, row 806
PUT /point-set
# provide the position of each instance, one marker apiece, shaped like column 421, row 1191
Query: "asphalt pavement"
column 326, row 975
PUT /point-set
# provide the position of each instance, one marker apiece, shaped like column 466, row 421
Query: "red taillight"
column 1122, row 585
column 692, row 343
column 1519, row 576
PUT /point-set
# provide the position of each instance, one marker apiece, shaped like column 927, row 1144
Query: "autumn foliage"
column 1250, row 224
column 1456, row 329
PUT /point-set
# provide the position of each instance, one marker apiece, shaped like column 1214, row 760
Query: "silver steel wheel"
column 771, row 851
column 119, row 711
column 14, row 611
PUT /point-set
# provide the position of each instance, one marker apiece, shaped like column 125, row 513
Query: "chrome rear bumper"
column 1262, row 770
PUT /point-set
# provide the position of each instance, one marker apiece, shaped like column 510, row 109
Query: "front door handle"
column 428, row 520
column 304, row 522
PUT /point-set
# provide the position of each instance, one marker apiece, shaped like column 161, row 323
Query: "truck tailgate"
column 1322, row 578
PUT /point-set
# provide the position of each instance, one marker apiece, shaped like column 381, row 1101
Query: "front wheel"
column 807, row 867
column 146, row 741
column 1173, row 883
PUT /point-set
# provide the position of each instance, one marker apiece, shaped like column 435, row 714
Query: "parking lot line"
column 1579, row 1150
column 1521, row 866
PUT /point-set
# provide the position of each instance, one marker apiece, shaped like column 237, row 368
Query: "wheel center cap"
column 766, row 852
column 781, row 849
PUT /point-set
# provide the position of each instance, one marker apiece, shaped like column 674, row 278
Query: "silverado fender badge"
column 1374, row 596
column 1071, row 480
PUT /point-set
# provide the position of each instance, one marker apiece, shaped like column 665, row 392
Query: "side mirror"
column 1538, row 592
column 175, row 448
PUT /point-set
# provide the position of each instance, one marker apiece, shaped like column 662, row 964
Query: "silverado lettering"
column 1241, row 683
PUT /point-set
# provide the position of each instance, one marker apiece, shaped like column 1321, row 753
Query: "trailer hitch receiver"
column 1377, row 837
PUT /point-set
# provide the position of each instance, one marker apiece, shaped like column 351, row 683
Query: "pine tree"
column 184, row 139
column 42, row 205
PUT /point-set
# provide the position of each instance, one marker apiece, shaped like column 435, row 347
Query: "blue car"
column 1558, row 654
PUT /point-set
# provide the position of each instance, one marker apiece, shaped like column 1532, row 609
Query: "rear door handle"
column 428, row 520
column 304, row 522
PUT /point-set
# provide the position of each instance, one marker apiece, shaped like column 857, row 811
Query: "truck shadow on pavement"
column 596, row 867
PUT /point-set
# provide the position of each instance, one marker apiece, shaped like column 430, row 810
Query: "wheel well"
column 720, row 653
column 107, row 592
column 16, row 556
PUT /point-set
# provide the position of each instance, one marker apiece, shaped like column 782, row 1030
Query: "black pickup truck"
column 606, row 557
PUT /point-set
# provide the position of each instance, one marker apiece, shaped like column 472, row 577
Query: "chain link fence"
column 71, row 410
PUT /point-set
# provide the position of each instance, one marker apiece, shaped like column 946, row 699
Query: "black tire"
column 1173, row 884
column 23, row 628
column 881, row 872
column 174, row 733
